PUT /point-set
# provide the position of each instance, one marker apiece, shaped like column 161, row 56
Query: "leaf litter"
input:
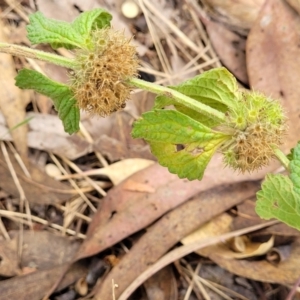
column 146, row 214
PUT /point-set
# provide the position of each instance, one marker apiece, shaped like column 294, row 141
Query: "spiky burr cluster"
column 257, row 126
column 99, row 79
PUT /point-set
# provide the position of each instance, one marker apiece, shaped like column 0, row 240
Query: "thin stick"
column 73, row 183
column 22, row 218
column 293, row 291
column 36, row 54
column 185, row 250
column 172, row 26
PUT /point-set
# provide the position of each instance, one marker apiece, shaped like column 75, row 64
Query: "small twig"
column 114, row 286
column 185, row 250
column 20, row 217
column 73, row 183
column 293, row 291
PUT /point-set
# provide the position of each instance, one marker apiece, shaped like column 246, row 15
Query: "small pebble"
column 52, row 170
column 130, row 9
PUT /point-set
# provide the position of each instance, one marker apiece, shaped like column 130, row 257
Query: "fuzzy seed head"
column 99, row 80
column 260, row 128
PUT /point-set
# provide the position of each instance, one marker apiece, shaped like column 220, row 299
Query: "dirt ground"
column 93, row 215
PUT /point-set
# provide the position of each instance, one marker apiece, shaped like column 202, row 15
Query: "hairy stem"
column 179, row 98
column 36, row 54
column 282, row 158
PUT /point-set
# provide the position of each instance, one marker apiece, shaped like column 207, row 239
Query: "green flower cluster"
column 257, row 126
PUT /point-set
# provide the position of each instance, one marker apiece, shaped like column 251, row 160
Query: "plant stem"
column 282, row 158
column 36, row 54
column 179, row 98
column 151, row 87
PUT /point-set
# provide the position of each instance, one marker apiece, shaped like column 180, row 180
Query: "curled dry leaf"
column 81, row 287
column 12, row 100
column 165, row 233
column 285, row 273
column 238, row 247
column 278, row 254
column 273, row 60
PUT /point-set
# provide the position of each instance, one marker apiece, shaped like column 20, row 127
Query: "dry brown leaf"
column 121, row 170
column 38, row 253
column 239, row 247
column 9, row 265
column 273, row 60
column 251, row 249
column 43, row 103
column 60, row 10
column 40, row 189
column 35, row 285
column 217, row 226
column 285, row 273
column 116, row 172
column 177, row 64
column 135, row 186
column 44, row 129
column 12, row 100
column 171, row 228
column 38, row 250
column 295, row 4
column 113, row 137
column 18, row 34
column 278, row 254
column 137, row 210
column 230, row 48
column 81, row 287
column 124, row 212
column 238, row 14
column 162, row 286
column 246, row 217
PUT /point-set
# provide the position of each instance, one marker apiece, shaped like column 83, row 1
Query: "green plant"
column 209, row 113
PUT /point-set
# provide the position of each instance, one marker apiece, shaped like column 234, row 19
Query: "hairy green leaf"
column 180, row 143
column 63, row 34
column 61, row 95
column 290, row 155
column 278, row 199
column 216, row 88
column 295, row 169
column 90, row 20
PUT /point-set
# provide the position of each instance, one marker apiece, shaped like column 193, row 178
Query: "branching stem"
column 36, row 54
column 179, row 98
column 282, row 158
